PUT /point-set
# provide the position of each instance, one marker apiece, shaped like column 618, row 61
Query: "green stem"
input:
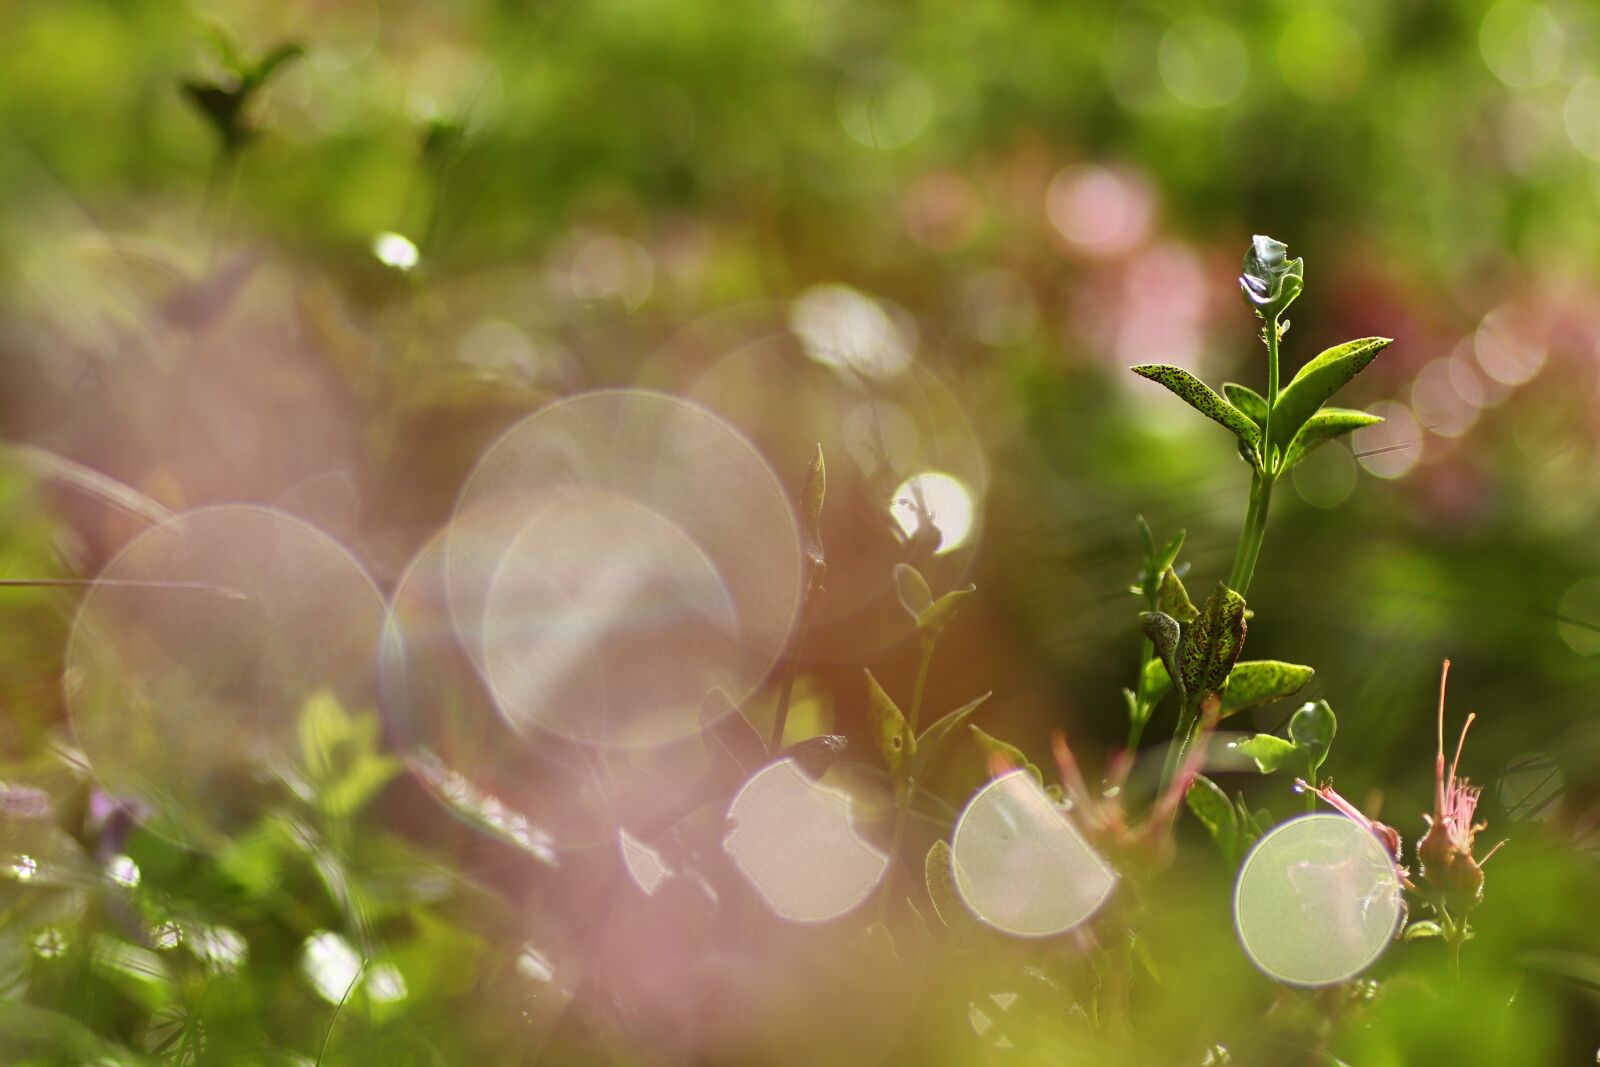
column 1141, row 714
column 905, row 790
column 1255, row 519
column 780, row 721
column 1454, row 936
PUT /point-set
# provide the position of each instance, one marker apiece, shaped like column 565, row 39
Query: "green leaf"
column 1154, row 683
column 1212, row 644
column 1166, row 635
column 1168, row 555
column 889, row 729
column 933, row 739
column 1317, row 381
column 912, row 587
column 1211, row 806
column 1011, row 754
column 1174, row 598
column 1325, row 425
column 1246, row 400
column 1312, row 727
column 932, row 621
column 1271, row 753
column 1423, row 929
column 1198, row 395
column 1258, row 681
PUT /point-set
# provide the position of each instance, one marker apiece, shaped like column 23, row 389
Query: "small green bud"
column 1271, row 280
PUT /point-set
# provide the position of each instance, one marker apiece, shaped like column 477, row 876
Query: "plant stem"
column 1141, row 714
column 906, row 789
column 1454, row 935
column 1255, row 519
column 780, row 721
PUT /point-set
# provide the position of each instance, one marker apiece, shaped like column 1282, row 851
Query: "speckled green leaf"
column 1166, row 635
column 1174, row 598
column 1199, row 396
column 1212, row 643
column 1258, row 681
column 1246, row 400
column 1317, row 381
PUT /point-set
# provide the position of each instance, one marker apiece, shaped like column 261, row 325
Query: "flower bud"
column 1271, row 280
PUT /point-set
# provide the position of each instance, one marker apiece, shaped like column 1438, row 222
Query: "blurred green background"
column 1031, row 197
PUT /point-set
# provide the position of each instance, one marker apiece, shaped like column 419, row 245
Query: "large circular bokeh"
column 193, row 656
column 612, row 559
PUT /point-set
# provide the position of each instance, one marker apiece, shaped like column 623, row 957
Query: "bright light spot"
column 1392, row 447
column 1203, row 62
column 1438, row 404
column 386, row 985
column 24, row 867
column 1100, row 210
column 166, row 936
column 1503, row 353
column 223, row 949
column 395, row 250
column 794, row 842
column 612, row 267
column 1521, row 43
column 331, row 964
column 535, row 965
column 841, row 327
column 123, row 871
column 889, row 114
column 1321, row 57
column 1317, row 901
column 1531, row 787
column 645, row 865
column 1326, row 476
column 1578, row 617
column 945, row 502
column 50, row 943
column 1020, row 864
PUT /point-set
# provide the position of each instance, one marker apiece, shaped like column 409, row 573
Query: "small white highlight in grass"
column 1317, row 901
column 123, row 872
column 331, row 964
column 395, row 250
column 1020, row 864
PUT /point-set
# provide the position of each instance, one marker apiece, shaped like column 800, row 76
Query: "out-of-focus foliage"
column 448, row 215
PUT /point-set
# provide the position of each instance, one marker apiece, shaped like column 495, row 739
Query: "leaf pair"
column 907, row 755
column 224, row 105
column 1298, row 421
column 1198, row 652
column 1311, row 731
column 930, row 615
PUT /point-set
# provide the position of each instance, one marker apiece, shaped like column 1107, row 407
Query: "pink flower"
column 1448, row 869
